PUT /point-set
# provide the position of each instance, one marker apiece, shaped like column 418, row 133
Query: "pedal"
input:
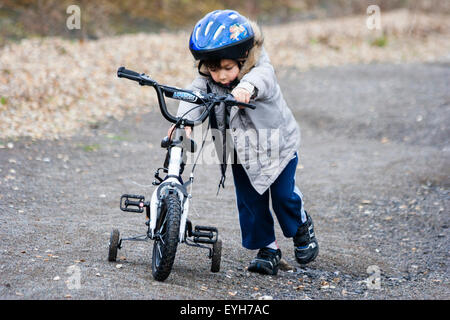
column 133, row 203
column 204, row 234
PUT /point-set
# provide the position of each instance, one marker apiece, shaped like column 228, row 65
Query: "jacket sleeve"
column 199, row 84
column 262, row 77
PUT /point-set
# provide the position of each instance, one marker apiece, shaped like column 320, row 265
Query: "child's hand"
column 241, row 95
column 188, row 131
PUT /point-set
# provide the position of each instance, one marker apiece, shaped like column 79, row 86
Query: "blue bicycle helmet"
column 221, row 34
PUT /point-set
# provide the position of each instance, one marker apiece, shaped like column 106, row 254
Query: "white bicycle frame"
column 175, row 161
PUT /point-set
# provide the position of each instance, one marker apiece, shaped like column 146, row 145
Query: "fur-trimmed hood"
column 252, row 57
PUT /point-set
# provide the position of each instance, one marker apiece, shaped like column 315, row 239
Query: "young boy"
column 231, row 58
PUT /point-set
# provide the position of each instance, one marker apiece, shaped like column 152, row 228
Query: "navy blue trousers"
column 255, row 217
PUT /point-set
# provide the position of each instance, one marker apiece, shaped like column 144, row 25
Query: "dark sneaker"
column 266, row 261
column 306, row 245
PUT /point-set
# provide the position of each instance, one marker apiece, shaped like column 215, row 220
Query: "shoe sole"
column 262, row 270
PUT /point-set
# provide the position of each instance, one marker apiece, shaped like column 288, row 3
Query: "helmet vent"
column 196, row 33
column 218, row 31
column 208, row 27
column 233, row 16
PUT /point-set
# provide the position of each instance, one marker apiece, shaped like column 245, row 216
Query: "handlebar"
column 181, row 94
column 125, row 73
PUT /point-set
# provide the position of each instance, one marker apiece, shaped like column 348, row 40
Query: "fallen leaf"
column 285, row 266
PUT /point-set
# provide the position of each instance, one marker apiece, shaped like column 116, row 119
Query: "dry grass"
column 51, row 87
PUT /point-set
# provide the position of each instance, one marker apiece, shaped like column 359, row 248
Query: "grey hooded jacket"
column 264, row 139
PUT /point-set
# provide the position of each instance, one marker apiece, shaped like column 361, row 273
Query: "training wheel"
column 113, row 245
column 216, row 256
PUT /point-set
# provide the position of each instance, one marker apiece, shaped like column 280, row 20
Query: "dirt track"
column 374, row 168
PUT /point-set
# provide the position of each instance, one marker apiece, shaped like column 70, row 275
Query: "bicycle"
column 167, row 210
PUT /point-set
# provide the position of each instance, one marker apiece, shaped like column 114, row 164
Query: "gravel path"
column 374, row 169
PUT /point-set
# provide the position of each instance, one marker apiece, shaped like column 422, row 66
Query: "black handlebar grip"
column 122, row 72
column 247, row 105
column 231, row 101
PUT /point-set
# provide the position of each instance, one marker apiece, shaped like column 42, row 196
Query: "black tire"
column 113, row 245
column 216, row 256
column 164, row 251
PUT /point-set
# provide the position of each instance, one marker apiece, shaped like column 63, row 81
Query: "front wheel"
column 165, row 246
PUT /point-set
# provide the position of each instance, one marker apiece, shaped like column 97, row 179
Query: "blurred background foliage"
column 53, row 76
column 24, row 18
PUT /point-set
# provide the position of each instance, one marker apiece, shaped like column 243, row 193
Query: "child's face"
column 227, row 72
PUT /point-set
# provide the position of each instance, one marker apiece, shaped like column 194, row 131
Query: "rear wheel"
column 216, row 256
column 113, row 245
column 165, row 247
